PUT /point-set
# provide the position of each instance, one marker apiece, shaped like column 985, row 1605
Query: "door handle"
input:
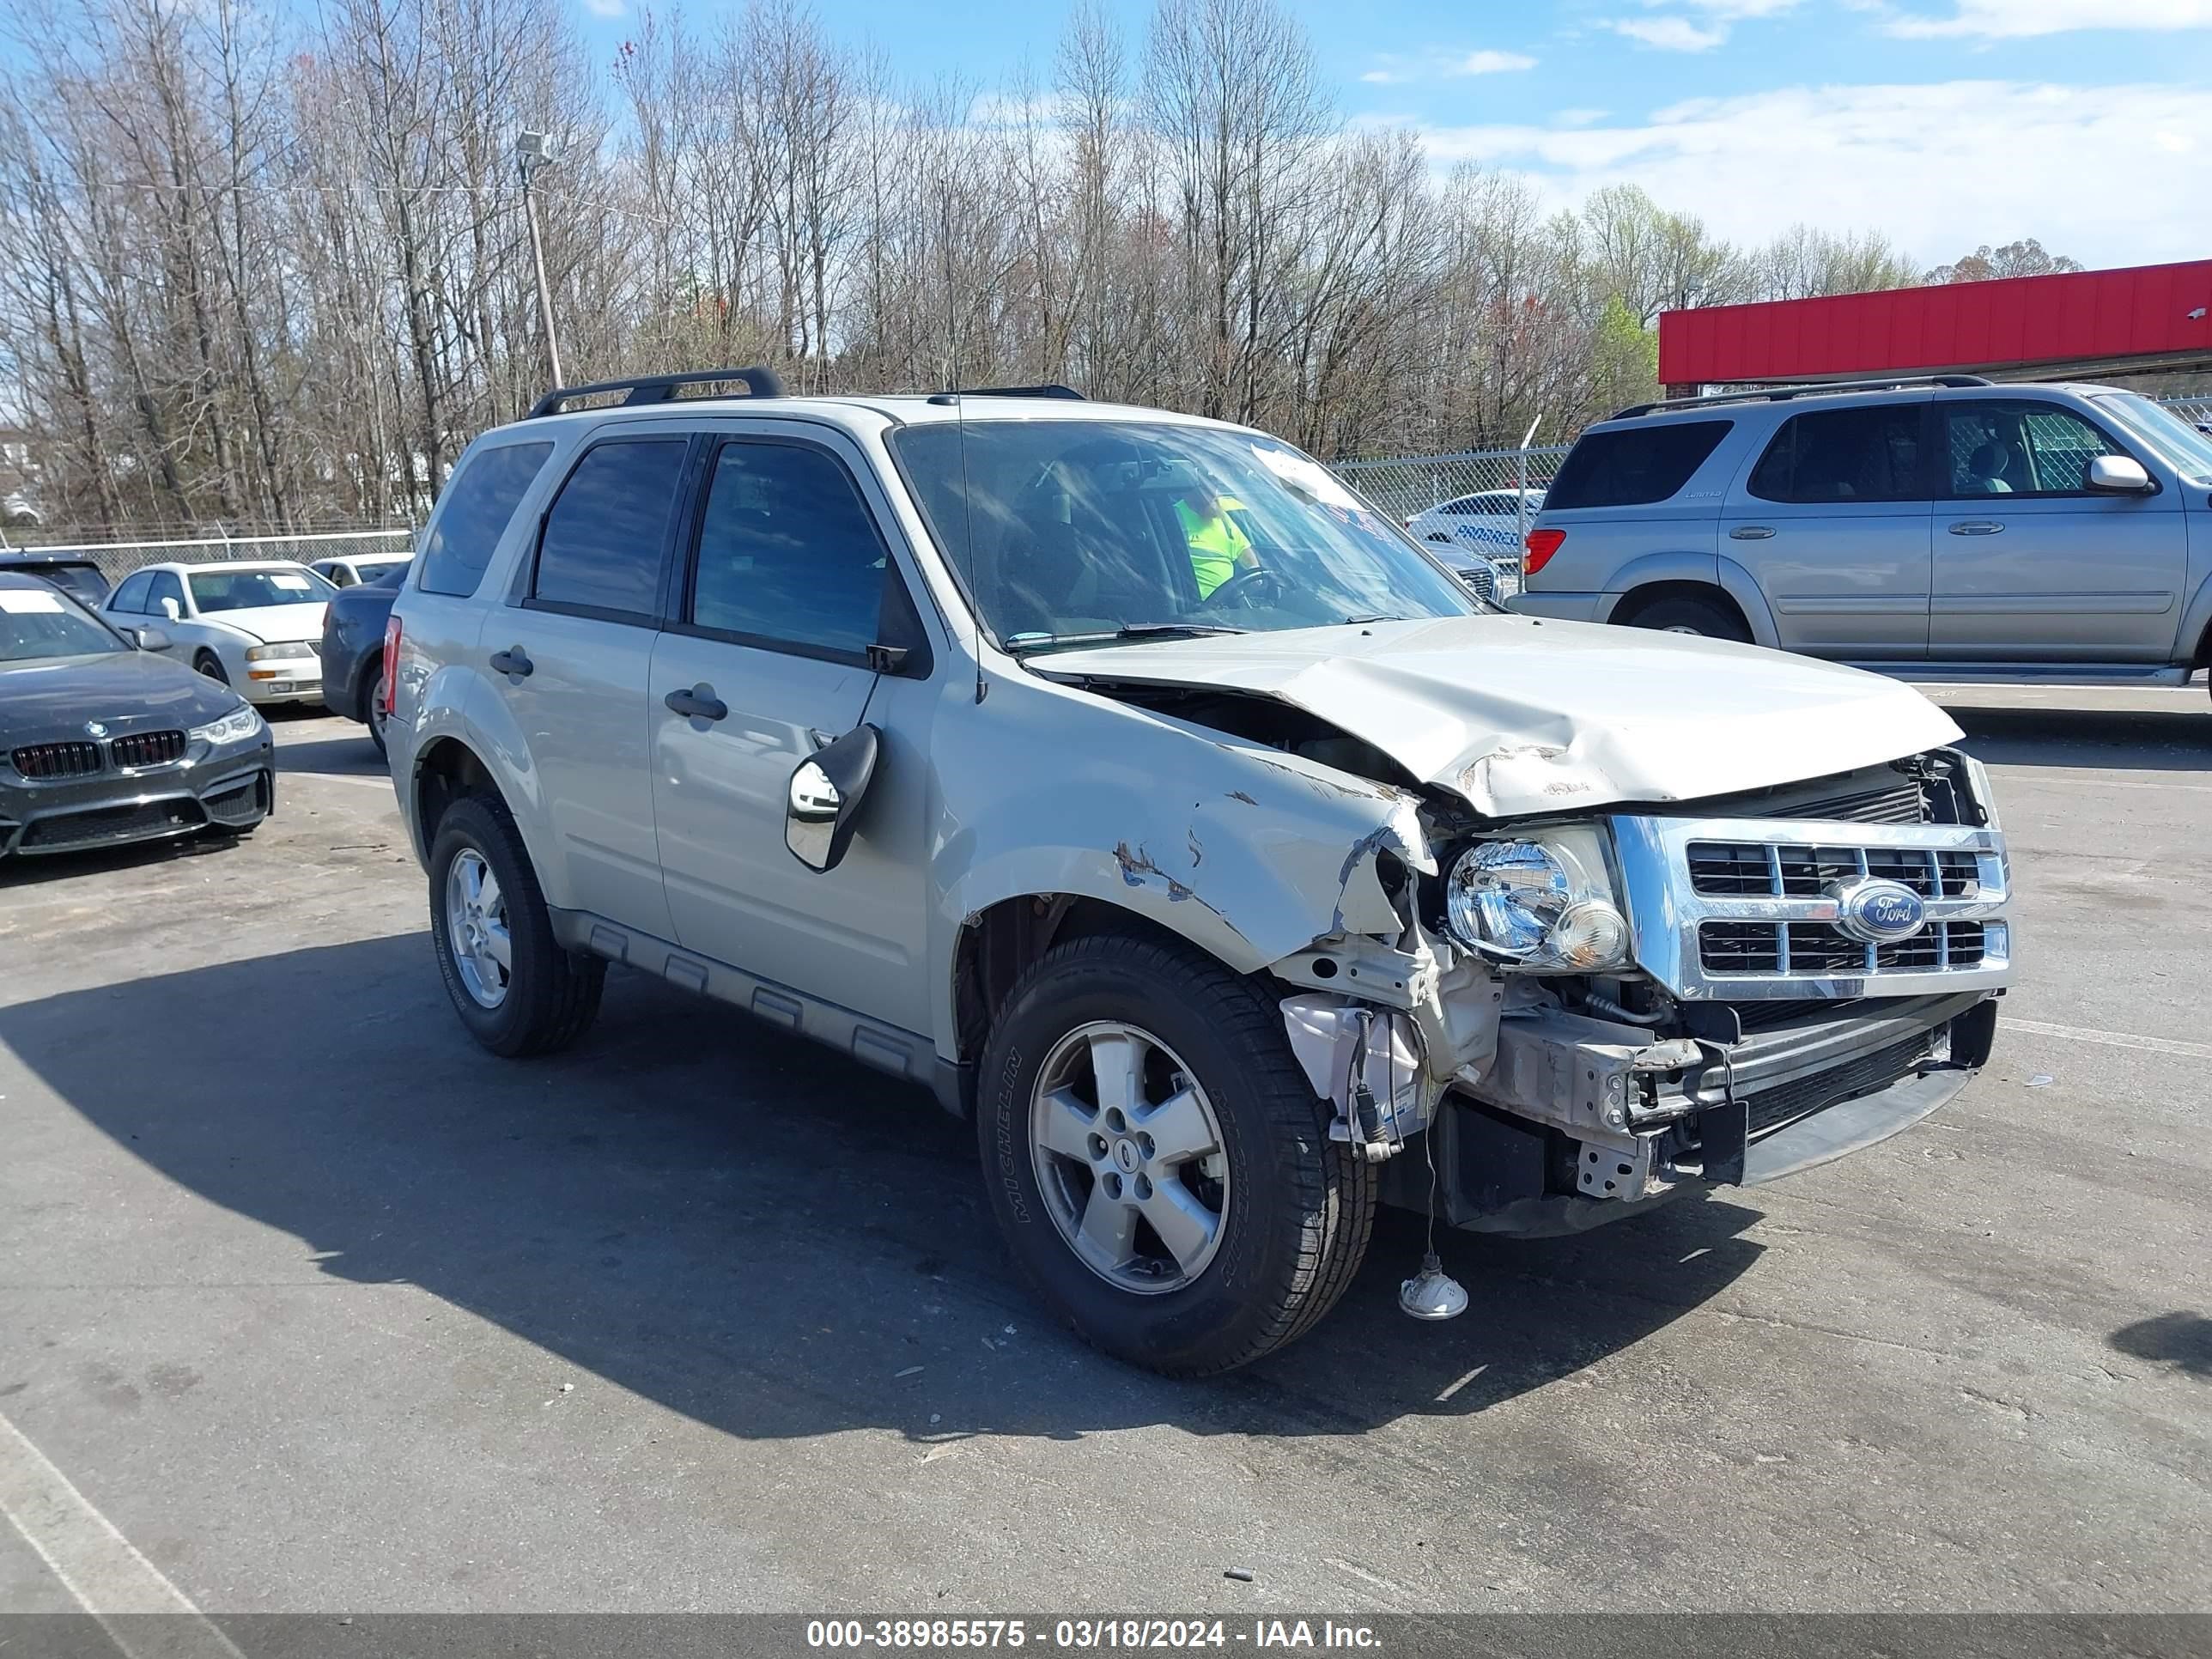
column 1975, row 528
column 699, row 703
column 514, row 660
column 1751, row 532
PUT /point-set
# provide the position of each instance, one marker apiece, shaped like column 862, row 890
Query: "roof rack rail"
column 758, row 381
column 1775, row 394
column 1049, row 389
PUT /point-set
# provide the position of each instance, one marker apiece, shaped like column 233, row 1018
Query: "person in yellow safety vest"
column 1217, row 546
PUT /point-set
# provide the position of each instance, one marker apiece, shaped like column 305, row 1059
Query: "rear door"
column 2032, row 565
column 1832, row 524
column 788, row 588
column 571, row 661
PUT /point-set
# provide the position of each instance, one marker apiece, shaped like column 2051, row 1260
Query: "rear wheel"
column 513, row 984
column 1683, row 614
column 1161, row 1170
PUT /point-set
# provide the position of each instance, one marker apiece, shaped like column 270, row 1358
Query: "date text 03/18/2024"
column 1086, row 1635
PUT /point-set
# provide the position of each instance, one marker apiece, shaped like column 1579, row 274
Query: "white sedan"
column 352, row 571
column 1489, row 522
column 257, row 627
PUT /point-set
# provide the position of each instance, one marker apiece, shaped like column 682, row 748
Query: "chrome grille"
column 1728, row 869
column 1747, row 909
column 74, row 759
column 1483, row 579
column 1814, row 947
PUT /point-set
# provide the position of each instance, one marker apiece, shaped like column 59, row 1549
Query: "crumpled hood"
column 268, row 624
column 1523, row 715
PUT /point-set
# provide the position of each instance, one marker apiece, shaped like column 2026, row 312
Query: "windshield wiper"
column 1159, row 630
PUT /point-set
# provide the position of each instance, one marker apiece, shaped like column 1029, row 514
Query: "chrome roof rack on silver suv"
column 660, row 388
column 1775, row 394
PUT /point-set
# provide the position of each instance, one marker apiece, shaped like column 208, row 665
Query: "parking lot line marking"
column 96, row 1564
column 2116, row 1039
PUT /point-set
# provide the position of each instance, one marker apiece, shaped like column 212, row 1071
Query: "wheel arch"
column 1634, row 602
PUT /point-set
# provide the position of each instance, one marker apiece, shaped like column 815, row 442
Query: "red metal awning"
column 2144, row 315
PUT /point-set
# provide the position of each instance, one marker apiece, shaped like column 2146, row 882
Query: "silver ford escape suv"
column 1938, row 528
column 1125, row 781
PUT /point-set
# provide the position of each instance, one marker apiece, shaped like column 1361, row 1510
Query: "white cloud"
column 2092, row 172
column 604, row 8
column 1993, row 20
column 1492, row 62
column 1670, row 34
column 1393, row 70
column 1580, row 118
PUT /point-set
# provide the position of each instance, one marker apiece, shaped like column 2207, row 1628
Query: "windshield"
column 2190, row 450
column 247, row 590
column 39, row 622
column 1090, row 530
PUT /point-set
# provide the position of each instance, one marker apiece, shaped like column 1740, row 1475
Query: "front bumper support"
column 1581, row 1121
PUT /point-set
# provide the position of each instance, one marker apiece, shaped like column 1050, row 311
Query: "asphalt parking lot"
column 322, row 1309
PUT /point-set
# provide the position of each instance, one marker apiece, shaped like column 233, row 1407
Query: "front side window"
column 1634, row 465
column 2004, row 447
column 165, row 588
column 133, row 595
column 479, row 499
column 1068, row 530
column 250, row 589
column 607, row 531
column 788, row 551
column 1859, row 454
column 37, row 623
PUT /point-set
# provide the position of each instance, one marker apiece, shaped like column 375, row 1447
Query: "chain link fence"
column 117, row 560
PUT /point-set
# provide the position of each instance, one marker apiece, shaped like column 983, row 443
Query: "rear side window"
column 1844, row 455
column 606, row 535
column 788, row 553
column 1634, row 465
column 479, row 499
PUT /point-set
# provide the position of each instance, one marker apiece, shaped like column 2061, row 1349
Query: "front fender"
column 1249, row 853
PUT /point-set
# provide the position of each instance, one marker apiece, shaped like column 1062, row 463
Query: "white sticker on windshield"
column 1307, row 478
column 25, row 602
column 290, row 584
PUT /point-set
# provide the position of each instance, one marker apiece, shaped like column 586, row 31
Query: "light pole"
column 533, row 150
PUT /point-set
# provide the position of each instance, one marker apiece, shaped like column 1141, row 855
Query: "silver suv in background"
column 1232, row 867
column 1946, row 528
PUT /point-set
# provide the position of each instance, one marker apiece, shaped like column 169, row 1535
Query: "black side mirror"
column 821, row 808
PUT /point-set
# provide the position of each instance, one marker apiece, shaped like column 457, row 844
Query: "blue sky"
column 1941, row 123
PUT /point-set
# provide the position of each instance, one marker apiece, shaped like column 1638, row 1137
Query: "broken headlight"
column 1544, row 901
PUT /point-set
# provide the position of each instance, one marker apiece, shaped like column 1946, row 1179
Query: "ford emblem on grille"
column 1874, row 911
column 94, row 729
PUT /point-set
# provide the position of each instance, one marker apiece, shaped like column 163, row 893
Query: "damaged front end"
column 1586, row 1016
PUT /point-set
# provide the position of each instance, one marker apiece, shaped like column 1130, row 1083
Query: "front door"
column 766, row 659
column 1832, row 524
column 2032, row 565
column 571, row 661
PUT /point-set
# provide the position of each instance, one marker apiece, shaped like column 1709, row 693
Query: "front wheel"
column 513, row 986
column 209, row 665
column 1161, row 1169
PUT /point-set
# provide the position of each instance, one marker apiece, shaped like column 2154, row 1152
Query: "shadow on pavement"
column 2183, row 1340
column 349, row 753
column 747, row 1228
column 2144, row 740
